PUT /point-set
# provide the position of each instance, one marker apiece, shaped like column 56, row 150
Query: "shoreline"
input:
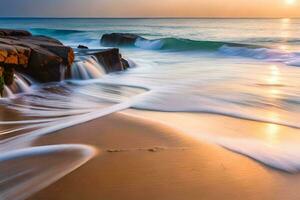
column 142, row 159
column 90, row 109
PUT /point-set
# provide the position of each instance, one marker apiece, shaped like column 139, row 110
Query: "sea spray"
column 87, row 68
column 20, row 85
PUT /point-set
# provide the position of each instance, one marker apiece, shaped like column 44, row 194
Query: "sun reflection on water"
column 272, row 133
column 285, row 20
column 273, row 79
column 285, row 32
column 274, row 92
column 272, row 130
column 284, row 47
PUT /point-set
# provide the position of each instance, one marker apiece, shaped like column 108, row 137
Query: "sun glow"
column 290, row 2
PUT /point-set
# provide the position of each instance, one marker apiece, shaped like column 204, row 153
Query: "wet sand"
column 143, row 159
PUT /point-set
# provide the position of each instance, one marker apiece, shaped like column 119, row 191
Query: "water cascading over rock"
column 91, row 64
column 39, row 57
column 45, row 59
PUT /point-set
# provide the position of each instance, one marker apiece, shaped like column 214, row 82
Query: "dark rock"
column 6, row 78
column 110, row 59
column 40, row 57
column 8, row 75
column 2, row 83
column 44, row 59
column 8, row 32
column 125, row 63
column 82, row 47
column 119, row 39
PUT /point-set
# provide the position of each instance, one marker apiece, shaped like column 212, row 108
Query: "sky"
column 150, row 8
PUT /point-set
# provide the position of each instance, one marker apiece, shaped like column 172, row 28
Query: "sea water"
column 246, row 69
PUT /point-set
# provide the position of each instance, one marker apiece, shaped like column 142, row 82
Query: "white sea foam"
column 282, row 156
column 170, row 91
column 149, row 44
column 20, row 85
column 20, row 168
column 87, row 68
column 267, row 54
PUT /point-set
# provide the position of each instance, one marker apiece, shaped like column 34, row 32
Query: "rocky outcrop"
column 8, row 32
column 110, row 59
column 46, row 59
column 119, row 39
column 40, row 57
column 82, row 47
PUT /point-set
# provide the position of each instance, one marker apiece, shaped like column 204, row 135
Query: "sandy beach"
column 145, row 159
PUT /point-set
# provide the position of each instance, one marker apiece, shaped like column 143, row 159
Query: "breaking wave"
column 179, row 44
column 173, row 44
column 271, row 55
column 223, row 48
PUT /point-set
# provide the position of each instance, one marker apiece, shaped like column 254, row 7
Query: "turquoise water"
column 271, row 32
column 242, row 68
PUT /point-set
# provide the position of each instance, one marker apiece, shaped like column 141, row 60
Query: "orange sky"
column 213, row 8
column 150, row 8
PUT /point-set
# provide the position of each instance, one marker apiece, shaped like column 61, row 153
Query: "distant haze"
column 150, row 8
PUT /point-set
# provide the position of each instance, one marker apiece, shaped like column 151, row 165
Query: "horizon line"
column 46, row 17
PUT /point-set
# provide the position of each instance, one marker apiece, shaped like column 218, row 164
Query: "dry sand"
column 142, row 159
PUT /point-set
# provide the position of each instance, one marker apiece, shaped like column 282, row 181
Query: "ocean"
column 244, row 69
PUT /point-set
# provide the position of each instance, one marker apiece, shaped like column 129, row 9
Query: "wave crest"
column 224, row 48
column 179, row 44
